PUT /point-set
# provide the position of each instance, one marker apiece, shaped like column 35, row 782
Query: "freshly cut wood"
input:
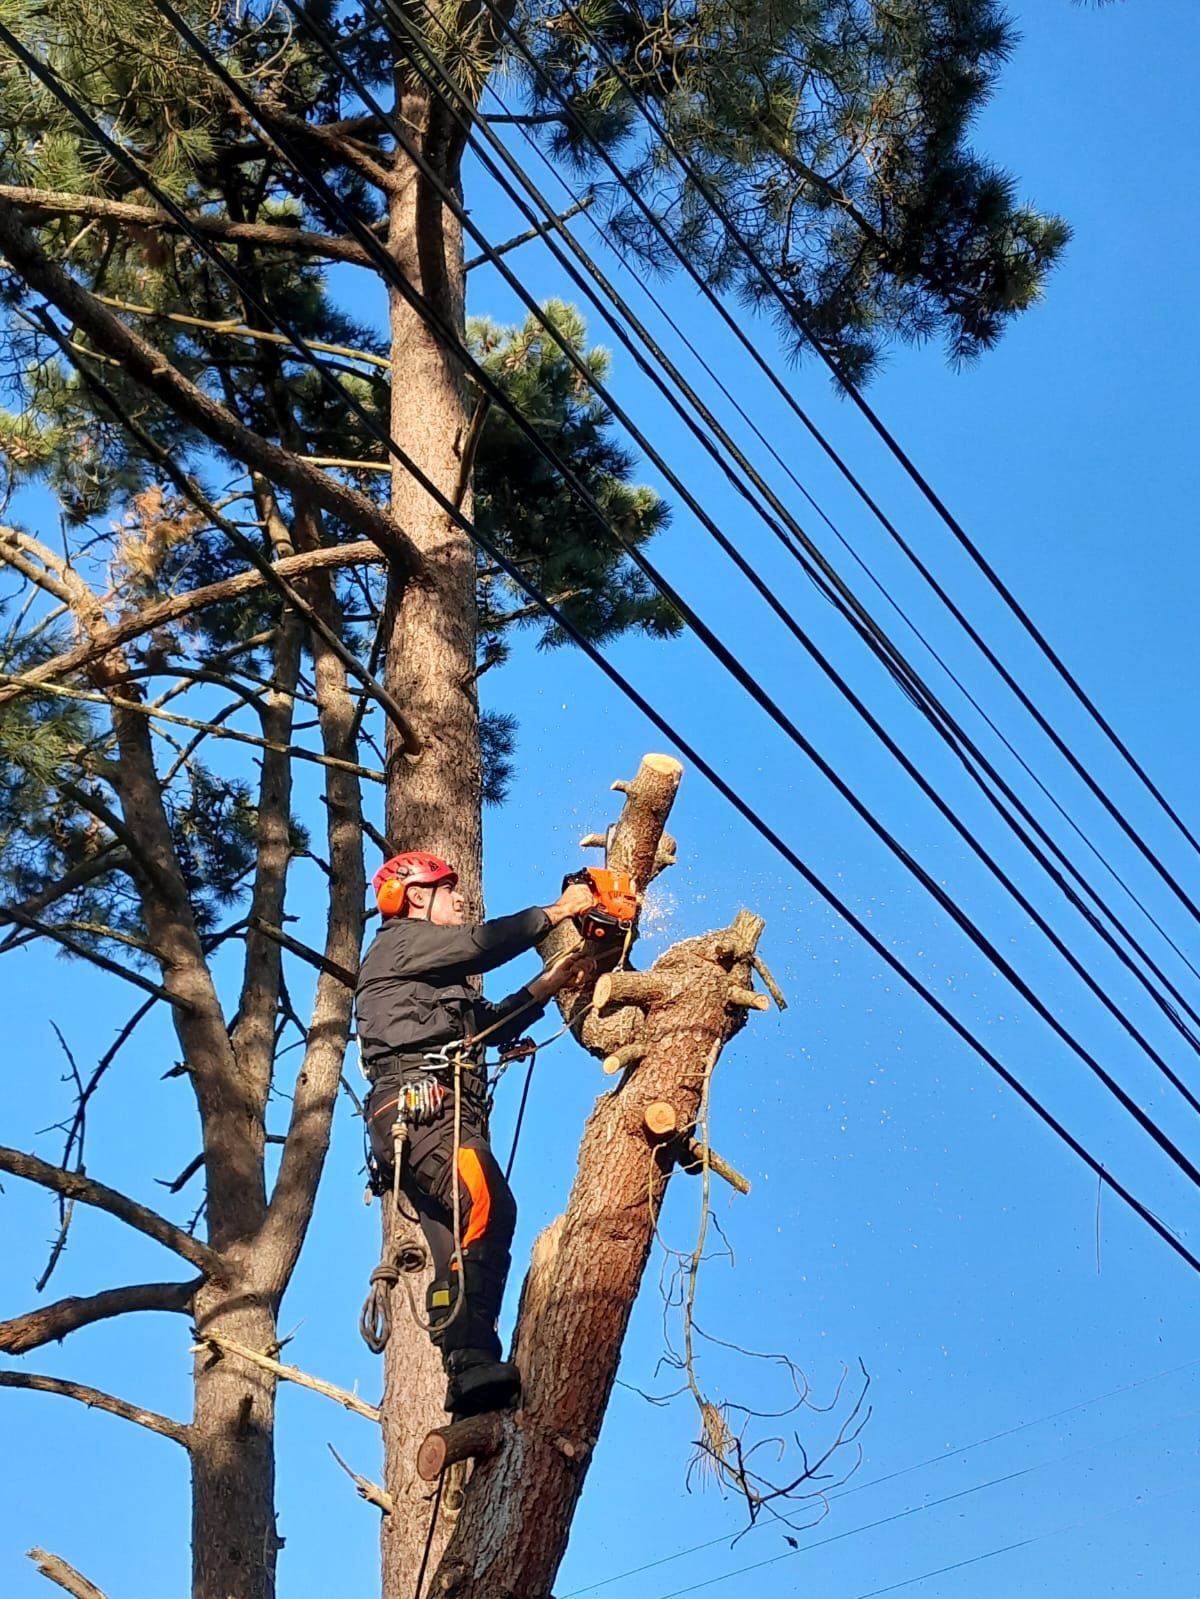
column 747, row 999
column 624, row 1056
column 661, row 1119
column 627, row 988
column 692, row 1161
column 473, row 1438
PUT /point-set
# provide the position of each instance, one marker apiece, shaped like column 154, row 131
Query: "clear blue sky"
column 906, row 1208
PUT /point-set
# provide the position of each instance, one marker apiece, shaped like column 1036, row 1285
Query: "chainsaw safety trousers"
column 487, row 1219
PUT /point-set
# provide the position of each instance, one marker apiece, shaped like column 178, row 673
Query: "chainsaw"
column 611, row 918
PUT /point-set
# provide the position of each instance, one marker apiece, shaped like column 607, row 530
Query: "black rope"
column 512, row 1154
column 939, row 718
column 617, row 678
column 792, row 311
column 429, row 1536
column 711, row 641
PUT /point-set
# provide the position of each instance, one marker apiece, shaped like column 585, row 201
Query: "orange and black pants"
column 487, row 1209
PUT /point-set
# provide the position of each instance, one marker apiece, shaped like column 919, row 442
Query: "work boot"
column 479, row 1382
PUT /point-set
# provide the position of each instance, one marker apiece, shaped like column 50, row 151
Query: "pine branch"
column 117, row 703
column 42, row 203
column 240, row 330
column 97, row 1399
column 187, row 487
column 181, row 605
column 333, row 140
column 538, row 231
column 341, row 974
column 150, row 368
column 85, row 952
column 51, row 1323
column 74, row 1185
column 110, row 858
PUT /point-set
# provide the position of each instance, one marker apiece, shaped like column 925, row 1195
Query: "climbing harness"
column 420, row 1102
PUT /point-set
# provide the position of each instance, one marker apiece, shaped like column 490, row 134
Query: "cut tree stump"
column 473, row 1438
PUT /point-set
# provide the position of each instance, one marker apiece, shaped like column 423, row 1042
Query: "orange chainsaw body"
column 616, row 907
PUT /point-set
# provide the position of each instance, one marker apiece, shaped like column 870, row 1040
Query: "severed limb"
column 96, row 1399
column 475, row 1437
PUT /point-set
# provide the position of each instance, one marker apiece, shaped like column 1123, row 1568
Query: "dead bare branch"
column 96, row 1399
column 222, row 1345
column 76, row 1186
column 57, row 1570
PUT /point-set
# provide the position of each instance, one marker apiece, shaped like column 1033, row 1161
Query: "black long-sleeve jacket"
column 412, row 993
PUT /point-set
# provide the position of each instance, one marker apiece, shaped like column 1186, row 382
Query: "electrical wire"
column 792, row 311
column 722, row 653
column 630, row 692
column 873, row 635
column 891, row 1476
column 557, row 222
column 934, row 1504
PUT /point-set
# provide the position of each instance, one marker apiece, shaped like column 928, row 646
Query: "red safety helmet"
column 412, row 868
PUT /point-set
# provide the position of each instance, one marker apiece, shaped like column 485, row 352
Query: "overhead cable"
column 796, row 316
column 457, row 517
column 452, row 341
column 721, row 652
column 883, row 1521
column 876, row 1482
column 944, row 724
column 1059, row 854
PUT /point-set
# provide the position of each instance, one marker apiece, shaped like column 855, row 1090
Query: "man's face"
column 443, row 906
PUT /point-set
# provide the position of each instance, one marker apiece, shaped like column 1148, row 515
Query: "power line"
column 755, row 353
column 868, row 629
column 796, row 316
column 891, row 1476
column 915, row 1510
column 721, row 652
column 1064, row 860
column 14, row 243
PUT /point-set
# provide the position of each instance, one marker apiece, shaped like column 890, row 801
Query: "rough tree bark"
column 587, row 1266
column 434, row 802
column 253, row 1239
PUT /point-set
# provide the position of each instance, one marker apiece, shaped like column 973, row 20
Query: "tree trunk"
column 585, row 1274
column 234, row 1542
column 434, row 802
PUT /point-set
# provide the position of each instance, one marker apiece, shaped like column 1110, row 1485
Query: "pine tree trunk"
column 585, row 1274
column 433, row 802
column 234, row 1542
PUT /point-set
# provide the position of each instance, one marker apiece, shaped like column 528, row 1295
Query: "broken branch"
column 221, row 1345
column 368, row 1490
column 57, row 1570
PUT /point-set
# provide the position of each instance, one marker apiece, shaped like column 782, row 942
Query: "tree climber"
column 415, row 1009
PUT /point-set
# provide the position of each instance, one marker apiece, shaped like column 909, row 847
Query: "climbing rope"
column 429, row 1536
